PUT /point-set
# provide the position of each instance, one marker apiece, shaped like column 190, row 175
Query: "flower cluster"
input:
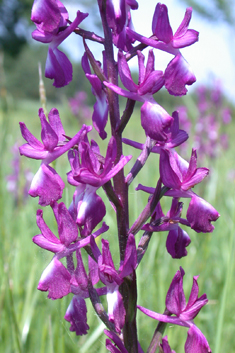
column 83, row 220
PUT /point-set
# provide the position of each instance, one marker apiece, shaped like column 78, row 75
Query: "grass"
column 32, row 323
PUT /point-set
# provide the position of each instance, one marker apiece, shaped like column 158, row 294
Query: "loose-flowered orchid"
column 47, row 184
column 177, row 239
column 183, row 313
column 178, row 72
column 119, row 19
column 154, row 119
column 93, row 169
column 51, row 19
column 87, row 208
column 113, row 278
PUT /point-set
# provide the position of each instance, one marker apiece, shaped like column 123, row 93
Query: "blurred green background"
column 32, row 323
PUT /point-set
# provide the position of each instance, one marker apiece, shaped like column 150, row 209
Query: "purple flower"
column 183, row 314
column 150, row 80
column 175, row 137
column 87, row 208
column 178, row 174
column 92, row 169
column 76, row 312
column 119, row 19
column 56, row 280
column 50, row 17
column 200, row 214
column 76, row 315
column 177, row 239
column 67, row 229
column 178, row 74
column 47, row 184
column 154, row 119
column 162, row 30
column 113, row 278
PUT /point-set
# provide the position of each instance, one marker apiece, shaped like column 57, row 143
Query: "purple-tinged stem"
column 126, row 115
column 157, row 337
column 128, row 289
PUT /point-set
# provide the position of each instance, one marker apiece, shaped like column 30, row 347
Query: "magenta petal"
column 178, row 74
column 55, row 122
column 67, row 228
column 46, row 15
column 170, row 175
column 43, row 37
column 200, row 214
column 190, row 37
column 176, row 243
column 161, row 25
column 90, row 211
column 46, row 232
column 196, row 341
column 175, row 298
column 125, row 73
column 30, row 152
column 44, row 243
column 56, row 280
column 116, row 309
column 48, row 135
column 76, row 315
column 155, row 120
column 80, row 272
column 100, row 115
column 32, row 141
column 58, row 67
column 46, row 184
column 130, row 259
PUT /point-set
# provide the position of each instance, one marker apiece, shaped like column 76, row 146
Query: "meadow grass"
column 32, row 323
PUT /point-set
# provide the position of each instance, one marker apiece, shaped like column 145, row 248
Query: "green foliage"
column 14, row 22
column 32, row 323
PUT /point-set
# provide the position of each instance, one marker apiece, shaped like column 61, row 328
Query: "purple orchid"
column 91, row 170
column 154, row 119
column 175, row 137
column 47, row 184
column 181, row 177
column 113, row 278
column 100, row 113
column 67, row 229
column 183, row 313
column 165, row 40
column 56, row 280
column 178, row 174
column 178, row 73
column 68, row 240
column 87, row 208
column 177, row 239
column 119, row 19
column 76, row 312
column 51, row 19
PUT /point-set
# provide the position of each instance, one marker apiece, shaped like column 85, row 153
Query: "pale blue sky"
column 210, row 58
